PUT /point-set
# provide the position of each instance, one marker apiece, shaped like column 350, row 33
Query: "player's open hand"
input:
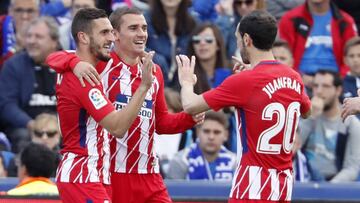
column 147, row 67
column 199, row 118
column 351, row 106
column 186, row 69
column 84, row 70
column 239, row 65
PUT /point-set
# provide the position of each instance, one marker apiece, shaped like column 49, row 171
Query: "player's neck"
column 86, row 56
column 257, row 56
column 128, row 58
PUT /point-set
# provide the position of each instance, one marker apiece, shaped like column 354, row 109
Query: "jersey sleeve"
column 62, row 61
column 93, row 100
column 234, row 91
column 169, row 123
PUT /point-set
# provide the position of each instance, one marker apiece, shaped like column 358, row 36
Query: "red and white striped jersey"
column 268, row 100
column 85, row 149
column 134, row 153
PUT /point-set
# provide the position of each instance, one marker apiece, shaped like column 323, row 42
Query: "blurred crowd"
column 317, row 38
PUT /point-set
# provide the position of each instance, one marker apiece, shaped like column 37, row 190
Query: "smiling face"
column 205, row 45
column 132, row 35
column 101, row 39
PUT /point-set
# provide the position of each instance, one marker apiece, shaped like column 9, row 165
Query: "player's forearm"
column 189, row 99
column 127, row 115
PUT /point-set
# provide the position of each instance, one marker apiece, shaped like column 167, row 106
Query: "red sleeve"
column 168, row 123
column 234, row 91
column 92, row 99
column 62, row 61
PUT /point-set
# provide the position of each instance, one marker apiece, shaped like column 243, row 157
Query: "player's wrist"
column 187, row 84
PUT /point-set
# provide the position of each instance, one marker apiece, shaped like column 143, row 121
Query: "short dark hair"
column 350, row 43
column 219, row 117
column 82, row 21
column 116, row 16
column 261, row 26
column 337, row 81
column 38, row 160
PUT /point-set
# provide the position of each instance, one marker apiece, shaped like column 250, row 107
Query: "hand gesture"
column 239, row 65
column 147, row 70
column 351, row 106
column 86, row 70
column 186, row 70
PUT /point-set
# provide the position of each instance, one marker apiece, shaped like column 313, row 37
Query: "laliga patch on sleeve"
column 96, row 98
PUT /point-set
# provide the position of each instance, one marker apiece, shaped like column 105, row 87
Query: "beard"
column 330, row 105
column 244, row 54
column 95, row 50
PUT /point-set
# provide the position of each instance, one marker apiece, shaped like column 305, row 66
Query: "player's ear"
column 247, row 39
column 83, row 38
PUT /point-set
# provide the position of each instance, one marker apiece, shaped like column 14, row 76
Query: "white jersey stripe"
column 120, row 154
column 275, row 185
column 289, row 185
column 254, row 182
column 144, row 144
column 91, row 140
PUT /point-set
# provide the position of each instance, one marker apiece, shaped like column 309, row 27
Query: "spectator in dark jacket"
column 26, row 85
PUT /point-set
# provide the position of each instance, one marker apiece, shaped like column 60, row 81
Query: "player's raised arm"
column 191, row 102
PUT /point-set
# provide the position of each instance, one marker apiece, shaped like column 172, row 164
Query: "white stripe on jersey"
column 290, row 183
column 143, row 148
column 238, row 156
column 106, row 159
column 275, row 185
column 67, row 166
column 91, row 143
column 254, row 183
column 120, row 153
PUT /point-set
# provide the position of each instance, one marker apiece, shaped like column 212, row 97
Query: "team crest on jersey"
column 96, row 98
column 145, row 111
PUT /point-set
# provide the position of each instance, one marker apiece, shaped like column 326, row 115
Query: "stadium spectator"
column 207, row 45
column 330, row 145
column 231, row 16
column 169, row 27
column 66, row 40
column 316, row 32
column 277, row 8
column 352, row 60
column 135, row 162
column 205, row 10
column 257, row 95
column 46, row 131
column 20, row 14
column 26, row 83
column 37, row 163
column 207, row 159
